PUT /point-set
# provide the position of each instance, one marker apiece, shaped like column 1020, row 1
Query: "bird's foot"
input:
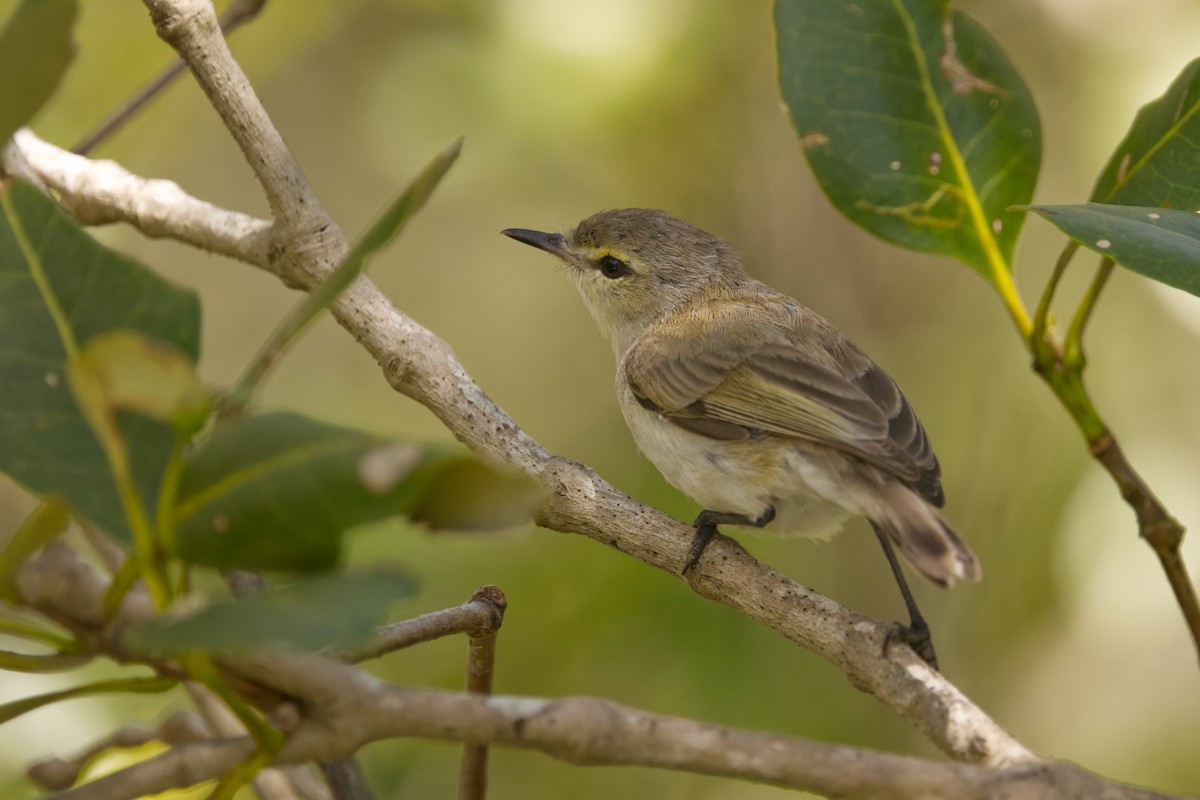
column 704, row 532
column 706, row 527
column 916, row 635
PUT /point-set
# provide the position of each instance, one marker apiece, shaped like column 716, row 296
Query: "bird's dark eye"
column 613, row 267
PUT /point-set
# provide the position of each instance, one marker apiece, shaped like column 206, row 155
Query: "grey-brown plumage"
column 748, row 402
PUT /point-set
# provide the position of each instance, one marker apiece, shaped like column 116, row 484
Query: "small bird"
column 753, row 405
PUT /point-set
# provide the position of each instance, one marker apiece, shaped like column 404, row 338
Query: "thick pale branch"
column 191, row 27
column 101, row 192
column 306, row 238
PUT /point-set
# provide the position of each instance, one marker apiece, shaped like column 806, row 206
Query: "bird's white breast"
column 740, row 477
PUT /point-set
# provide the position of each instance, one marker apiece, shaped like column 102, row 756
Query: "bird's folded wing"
column 729, row 384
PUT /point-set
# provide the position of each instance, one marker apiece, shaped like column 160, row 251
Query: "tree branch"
column 481, row 660
column 61, row 773
column 331, row 709
column 589, row 731
column 478, row 617
column 269, row 784
column 305, row 234
column 102, row 192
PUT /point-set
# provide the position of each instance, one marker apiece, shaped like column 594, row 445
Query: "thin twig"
column 269, row 784
column 480, row 615
column 108, row 551
column 238, row 12
column 1161, row 531
column 481, row 661
column 345, row 780
column 61, row 773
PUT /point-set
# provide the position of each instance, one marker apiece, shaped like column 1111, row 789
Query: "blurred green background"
column 1072, row 641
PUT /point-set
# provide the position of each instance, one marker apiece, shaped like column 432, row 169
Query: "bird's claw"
column 703, row 534
column 916, row 636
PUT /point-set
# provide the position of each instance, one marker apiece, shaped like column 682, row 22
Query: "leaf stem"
column 1073, row 357
column 1039, row 342
column 168, row 494
column 43, row 662
column 1002, row 280
column 202, row 668
column 999, row 268
column 45, row 522
column 122, row 582
column 36, row 269
column 34, row 633
column 147, row 685
column 118, row 461
column 383, row 229
column 229, row 784
column 147, row 553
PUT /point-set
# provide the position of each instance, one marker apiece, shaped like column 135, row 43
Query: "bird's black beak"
column 553, row 243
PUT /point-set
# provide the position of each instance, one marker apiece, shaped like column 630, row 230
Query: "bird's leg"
column 916, row 635
column 706, row 527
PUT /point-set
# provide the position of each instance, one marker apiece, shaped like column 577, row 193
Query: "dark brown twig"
column 477, row 617
column 238, row 13
column 57, row 774
column 346, row 780
column 481, row 658
column 1161, row 531
column 1062, row 367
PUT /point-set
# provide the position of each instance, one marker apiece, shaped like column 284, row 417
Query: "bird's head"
column 633, row 265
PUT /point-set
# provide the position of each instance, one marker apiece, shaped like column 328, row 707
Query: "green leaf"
column 914, row 122
column 1158, row 161
column 35, row 50
column 134, row 372
column 323, row 611
column 46, row 522
column 59, row 289
column 1160, row 243
column 385, row 228
column 470, row 495
column 276, row 491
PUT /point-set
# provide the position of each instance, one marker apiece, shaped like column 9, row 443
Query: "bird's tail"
column 923, row 536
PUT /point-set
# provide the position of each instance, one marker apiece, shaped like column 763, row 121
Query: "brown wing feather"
column 734, row 367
